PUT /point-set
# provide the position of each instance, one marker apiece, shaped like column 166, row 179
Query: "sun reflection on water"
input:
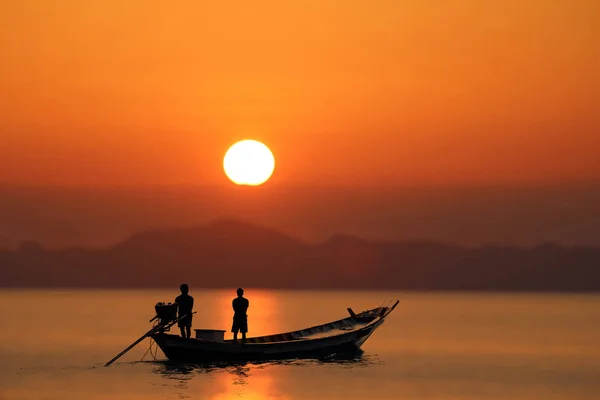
column 251, row 383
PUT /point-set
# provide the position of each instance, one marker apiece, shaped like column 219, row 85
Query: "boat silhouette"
column 341, row 337
column 344, row 336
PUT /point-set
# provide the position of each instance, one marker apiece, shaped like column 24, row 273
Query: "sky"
column 389, row 92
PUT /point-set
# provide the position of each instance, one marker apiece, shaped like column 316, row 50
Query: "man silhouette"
column 240, row 318
column 185, row 303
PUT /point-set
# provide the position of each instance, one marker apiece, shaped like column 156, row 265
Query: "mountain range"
column 231, row 253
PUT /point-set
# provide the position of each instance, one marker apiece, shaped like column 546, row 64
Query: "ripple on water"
column 243, row 370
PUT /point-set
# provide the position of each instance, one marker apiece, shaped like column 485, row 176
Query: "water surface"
column 433, row 346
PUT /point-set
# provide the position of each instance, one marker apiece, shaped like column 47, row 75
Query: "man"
column 185, row 303
column 240, row 319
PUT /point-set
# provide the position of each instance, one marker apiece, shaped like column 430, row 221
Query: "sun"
column 249, row 162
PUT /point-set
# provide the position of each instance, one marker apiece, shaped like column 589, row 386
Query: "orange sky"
column 390, row 92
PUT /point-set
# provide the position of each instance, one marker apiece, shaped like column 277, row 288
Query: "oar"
column 144, row 336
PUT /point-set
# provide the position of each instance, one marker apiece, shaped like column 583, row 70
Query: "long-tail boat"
column 344, row 336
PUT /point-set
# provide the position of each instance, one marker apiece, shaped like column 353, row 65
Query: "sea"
column 435, row 345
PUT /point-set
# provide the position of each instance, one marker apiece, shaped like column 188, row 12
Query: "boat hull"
column 177, row 348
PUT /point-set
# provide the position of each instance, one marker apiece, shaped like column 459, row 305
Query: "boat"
column 344, row 336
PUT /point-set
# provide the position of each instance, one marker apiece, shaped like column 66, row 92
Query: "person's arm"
column 176, row 305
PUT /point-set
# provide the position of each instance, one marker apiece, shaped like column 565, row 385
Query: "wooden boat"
column 344, row 336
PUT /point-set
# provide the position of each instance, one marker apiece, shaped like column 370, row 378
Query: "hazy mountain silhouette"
column 231, row 253
column 95, row 217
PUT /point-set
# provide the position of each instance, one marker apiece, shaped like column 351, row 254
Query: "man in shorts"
column 185, row 303
column 240, row 318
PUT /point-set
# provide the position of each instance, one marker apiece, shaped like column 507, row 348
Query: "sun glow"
column 249, row 162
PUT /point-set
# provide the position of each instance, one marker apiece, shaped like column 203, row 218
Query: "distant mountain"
column 231, row 253
column 519, row 215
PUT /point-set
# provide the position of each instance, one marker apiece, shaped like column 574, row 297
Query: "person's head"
column 240, row 292
column 184, row 288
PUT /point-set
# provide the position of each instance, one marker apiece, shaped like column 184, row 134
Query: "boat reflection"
column 248, row 380
column 241, row 368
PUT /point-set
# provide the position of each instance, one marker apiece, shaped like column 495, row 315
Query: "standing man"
column 185, row 303
column 240, row 318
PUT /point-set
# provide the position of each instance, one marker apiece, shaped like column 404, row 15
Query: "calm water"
column 434, row 346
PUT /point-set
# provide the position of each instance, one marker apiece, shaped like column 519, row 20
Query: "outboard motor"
column 165, row 313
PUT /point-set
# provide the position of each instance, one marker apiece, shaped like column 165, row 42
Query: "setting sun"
column 249, row 162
